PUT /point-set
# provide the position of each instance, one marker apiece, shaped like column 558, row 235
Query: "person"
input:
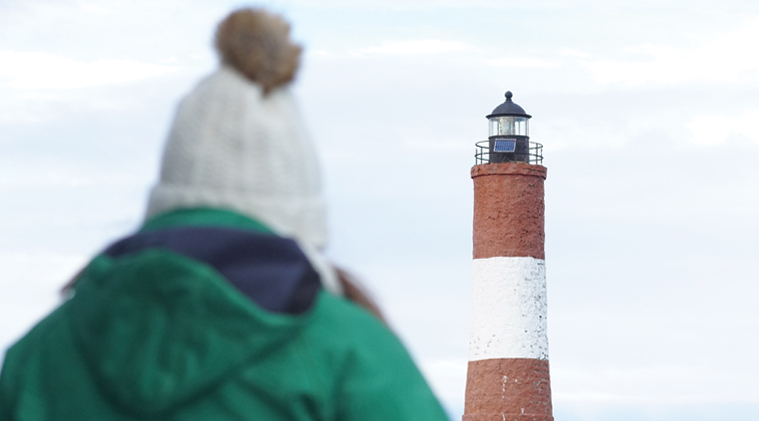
column 221, row 306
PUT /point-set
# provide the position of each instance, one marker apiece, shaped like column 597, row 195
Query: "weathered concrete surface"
column 509, row 222
column 509, row 210
column 508, row 388
column 509, row 309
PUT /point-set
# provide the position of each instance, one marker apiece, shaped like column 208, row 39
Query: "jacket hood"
column 158, row 328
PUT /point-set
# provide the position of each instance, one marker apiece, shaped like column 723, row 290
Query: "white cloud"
column 436, row 143
column 447, row 377
column 57, row 180
column 317, row 53
column 523, row 62
column 30, row 288
column 569, row 52
column 728, row 57
column 714, row 130
column 431, row 5
column 414, row 47
column 30, row 71
column 649, row 385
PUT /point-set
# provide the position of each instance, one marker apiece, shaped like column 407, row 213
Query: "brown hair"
column 353, row 291
column 257, row 44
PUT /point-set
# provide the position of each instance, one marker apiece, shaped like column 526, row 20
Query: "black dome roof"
column 509, row 108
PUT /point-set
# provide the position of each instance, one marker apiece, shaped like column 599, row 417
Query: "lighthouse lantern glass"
column 508, row 126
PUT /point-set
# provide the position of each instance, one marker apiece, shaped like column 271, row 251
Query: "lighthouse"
column 508, row 374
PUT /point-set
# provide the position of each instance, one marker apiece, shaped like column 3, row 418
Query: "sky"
column 647, row 111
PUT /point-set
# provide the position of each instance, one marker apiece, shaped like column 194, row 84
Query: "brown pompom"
column 257, row 44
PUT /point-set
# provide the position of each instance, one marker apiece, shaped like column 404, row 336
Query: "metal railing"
column 482, row 153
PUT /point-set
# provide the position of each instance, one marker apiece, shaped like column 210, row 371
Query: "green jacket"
column 154, row 332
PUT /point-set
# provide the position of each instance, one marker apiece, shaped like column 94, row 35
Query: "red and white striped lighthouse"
column 508, row 376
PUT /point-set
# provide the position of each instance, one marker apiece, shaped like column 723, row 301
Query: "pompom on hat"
column 238, row 141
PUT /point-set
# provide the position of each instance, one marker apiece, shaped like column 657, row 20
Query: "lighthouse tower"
column 508, row 376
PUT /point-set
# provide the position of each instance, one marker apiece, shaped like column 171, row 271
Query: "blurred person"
column 221, row 306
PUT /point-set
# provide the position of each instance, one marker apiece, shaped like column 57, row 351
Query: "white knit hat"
column 238, row 142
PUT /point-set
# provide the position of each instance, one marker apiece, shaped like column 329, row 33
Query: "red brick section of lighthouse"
column 508, row 222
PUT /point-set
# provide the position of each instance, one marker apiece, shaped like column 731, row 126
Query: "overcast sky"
column 648, row 112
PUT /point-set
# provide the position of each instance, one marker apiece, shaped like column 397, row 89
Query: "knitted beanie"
column 238, row 141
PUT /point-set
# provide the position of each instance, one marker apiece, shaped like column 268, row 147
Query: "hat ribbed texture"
column 233, row 147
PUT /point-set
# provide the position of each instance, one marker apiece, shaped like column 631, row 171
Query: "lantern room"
column 509, row 136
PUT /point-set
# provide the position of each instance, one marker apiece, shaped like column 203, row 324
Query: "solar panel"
column 505, row 145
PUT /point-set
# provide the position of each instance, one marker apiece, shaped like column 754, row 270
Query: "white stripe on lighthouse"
column 509, row 309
